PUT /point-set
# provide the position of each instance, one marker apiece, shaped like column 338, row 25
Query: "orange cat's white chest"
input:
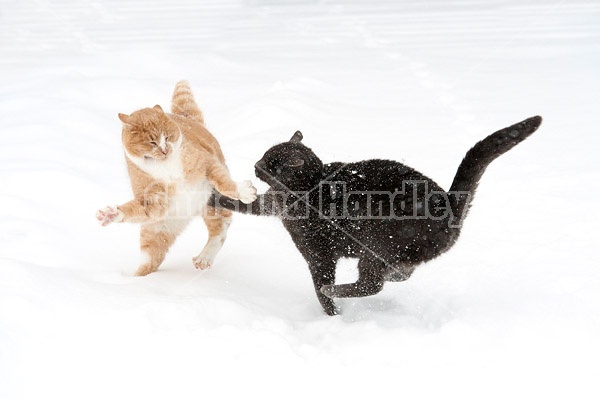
column 168, row 170
column 188, row 198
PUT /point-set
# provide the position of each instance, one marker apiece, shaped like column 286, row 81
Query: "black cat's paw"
column 333, row 311
column 326, row 301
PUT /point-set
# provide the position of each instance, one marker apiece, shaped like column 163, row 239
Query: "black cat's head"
column 290, row 165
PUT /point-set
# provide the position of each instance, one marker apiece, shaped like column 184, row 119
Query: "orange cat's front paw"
column 246, row 192
column 108, row 215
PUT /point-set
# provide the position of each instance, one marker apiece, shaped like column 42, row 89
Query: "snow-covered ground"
column 512, row 310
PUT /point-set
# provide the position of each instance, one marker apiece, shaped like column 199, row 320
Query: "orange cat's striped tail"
column 183, row 102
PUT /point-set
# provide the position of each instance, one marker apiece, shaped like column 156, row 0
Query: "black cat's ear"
column 294, row 162
column 158, row 108
column 297, row 137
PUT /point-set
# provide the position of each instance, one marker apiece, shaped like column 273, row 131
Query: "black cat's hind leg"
column 323, row 274
column 398, row 273
column 371, row 276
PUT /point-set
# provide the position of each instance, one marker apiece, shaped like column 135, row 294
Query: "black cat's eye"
column 294, row 162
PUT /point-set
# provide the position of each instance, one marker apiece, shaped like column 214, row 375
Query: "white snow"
column 511, row 311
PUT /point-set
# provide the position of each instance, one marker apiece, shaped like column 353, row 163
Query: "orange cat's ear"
column 124, row 118
column 158, row 108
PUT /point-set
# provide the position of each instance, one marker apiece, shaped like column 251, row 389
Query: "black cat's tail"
column 480, row 156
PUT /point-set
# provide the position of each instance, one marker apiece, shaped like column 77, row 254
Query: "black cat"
column 389, row 216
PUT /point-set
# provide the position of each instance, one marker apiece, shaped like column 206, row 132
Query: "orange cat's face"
column 150, row 134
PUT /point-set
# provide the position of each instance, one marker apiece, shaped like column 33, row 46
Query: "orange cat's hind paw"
column 108, row 215
column 143, row 271
column 202, row 262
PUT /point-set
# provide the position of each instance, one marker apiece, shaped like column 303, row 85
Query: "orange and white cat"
column 174, row 163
